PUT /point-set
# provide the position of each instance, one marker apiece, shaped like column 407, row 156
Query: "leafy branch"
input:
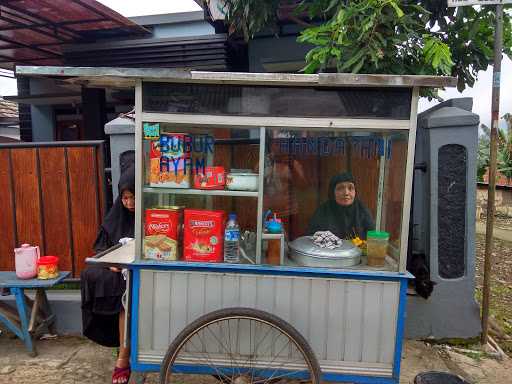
column 422, row 37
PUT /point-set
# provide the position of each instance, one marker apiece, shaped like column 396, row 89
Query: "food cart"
column 285, row 309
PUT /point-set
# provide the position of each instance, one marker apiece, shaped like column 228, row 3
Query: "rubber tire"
column 257, row 314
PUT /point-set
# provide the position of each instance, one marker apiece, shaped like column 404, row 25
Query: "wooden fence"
column 52, row 195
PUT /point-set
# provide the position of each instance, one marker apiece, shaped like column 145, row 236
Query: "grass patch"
column 66, row 286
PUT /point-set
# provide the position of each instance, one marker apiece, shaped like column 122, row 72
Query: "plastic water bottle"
column 232, row 240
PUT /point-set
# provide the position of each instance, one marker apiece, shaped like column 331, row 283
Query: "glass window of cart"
column 328, row 198
column 200, row 187
column 338, row 197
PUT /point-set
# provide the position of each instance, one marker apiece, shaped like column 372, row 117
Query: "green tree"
column 505, row 149
column 504, row 155
column 422, row 37
column 482, row 159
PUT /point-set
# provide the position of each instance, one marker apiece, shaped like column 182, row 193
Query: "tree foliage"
column 422, row 37
column 504, row 148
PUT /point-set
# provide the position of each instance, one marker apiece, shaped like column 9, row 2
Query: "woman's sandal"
column 121, row 375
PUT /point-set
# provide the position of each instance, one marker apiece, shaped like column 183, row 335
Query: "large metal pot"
column 306, row 253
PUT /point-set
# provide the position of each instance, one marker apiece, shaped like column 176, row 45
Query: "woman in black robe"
column 102, row 288
column 343, row 213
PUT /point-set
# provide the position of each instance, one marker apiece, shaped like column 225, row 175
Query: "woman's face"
column 128, row 200
column 345, row 193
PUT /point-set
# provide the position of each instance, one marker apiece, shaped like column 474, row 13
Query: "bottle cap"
column 232, row 216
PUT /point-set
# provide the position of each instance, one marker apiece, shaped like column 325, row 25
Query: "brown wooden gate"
column 51, row 195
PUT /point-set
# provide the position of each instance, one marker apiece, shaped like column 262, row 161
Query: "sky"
column 481, row 92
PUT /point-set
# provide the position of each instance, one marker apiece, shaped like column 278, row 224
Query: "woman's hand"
column 114, row 269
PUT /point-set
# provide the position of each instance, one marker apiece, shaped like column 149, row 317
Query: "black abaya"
column 344, row 222
column 101, row 288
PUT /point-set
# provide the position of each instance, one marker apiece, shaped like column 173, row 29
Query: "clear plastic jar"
column 377, row 247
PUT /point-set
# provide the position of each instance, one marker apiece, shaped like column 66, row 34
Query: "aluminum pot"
column 306, row 253
column 242, row 181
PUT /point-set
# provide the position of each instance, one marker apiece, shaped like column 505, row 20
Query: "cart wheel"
column 240, row 346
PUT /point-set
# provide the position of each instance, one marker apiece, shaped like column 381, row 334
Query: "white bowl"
column 242, row 181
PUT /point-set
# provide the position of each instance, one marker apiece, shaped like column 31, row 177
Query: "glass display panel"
column 388, row 103
column 330, row 199
column 193, row 180
column 346, row 183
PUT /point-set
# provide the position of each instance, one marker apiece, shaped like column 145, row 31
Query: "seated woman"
column 343, row 214
column 102, row 288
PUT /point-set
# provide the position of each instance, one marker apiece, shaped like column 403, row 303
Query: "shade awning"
column 33, row 32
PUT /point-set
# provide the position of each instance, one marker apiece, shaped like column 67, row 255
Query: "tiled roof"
column 8, row 110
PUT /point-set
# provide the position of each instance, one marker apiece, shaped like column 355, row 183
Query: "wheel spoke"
column 209, row 361
column 261, row 341
column 275, row 357
column 244, row 348
column 223, row 347
column 272, row 377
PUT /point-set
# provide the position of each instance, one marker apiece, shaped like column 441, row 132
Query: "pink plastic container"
column 25, row 261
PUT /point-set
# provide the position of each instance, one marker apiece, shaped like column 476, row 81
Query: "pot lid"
column 306, row 246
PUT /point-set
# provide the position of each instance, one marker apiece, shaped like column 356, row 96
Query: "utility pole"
column 495, row 108
column 495, row 111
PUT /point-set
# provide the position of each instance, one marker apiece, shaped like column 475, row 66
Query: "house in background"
column 96, row 36
column 9, row 122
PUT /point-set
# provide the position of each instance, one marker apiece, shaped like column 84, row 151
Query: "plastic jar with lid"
column 377, row 247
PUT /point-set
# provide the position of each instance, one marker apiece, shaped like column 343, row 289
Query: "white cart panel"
column 350, row 324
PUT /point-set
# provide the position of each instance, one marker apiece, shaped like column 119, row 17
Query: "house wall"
column 43, row 122
column 276, row 54
column 503, row 201
column 193, row 28
column 179, row 24
column 43, row 116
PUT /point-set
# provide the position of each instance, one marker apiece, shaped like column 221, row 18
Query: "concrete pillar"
column 121, row 132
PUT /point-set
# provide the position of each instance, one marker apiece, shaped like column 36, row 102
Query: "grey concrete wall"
column 43, row 123
column 121, row 132
column 451, row 311
column 193, row 28
column 43, row 116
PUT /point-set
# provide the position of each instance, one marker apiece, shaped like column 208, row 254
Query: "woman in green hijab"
column 343, row 214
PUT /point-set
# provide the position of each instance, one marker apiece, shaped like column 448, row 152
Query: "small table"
column 16, row 317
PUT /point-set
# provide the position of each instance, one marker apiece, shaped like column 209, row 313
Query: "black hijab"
column 119, row 222
column 344, row 221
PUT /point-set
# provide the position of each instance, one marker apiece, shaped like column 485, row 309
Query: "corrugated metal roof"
column 33, row 31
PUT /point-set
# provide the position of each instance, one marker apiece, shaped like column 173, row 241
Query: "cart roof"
column 127, row 77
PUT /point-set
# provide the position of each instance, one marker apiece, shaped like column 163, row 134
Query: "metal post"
column 495, row 108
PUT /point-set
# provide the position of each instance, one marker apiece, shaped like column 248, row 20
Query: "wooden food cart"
column 293, row 133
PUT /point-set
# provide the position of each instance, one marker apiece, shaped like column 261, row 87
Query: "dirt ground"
column 501, row 286
column 74, row 360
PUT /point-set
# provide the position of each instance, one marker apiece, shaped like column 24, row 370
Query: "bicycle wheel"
column 239, row 346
